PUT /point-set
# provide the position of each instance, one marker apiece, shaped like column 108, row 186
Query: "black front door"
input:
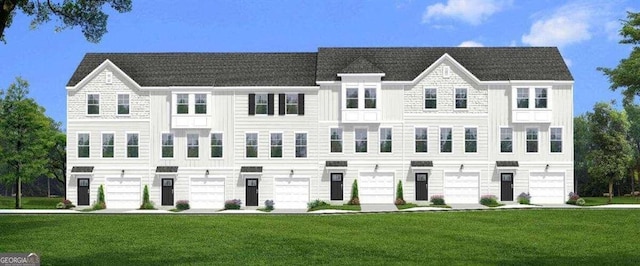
column 421, row 186
column 167, row 192
column 252, row 192
column 336, row 186
column 83, row 191
column 506, row 186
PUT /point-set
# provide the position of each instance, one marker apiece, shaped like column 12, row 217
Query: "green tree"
column 25, row 137
column 58, row 156
column 85, row 14
column 611, row 153
column 633, row 116
column 581, row 147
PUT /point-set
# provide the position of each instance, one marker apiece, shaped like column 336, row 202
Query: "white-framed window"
column 216, row 145
column 461, row 98
column 370, row 98
column 167, row 145
column 386, row 139
column 93, row 104
column 123, row 104
column 471, row 139
column 201, row 103
column 446, row 140
column 421, row 139
column 522, row 97
column 291, row 103
column 361, row 136
column 506, row 139
column 193, row 145
column 251, row 145
column 352, row 98
column 301, row 145
column 182, row 103
column 430, row 98
column 108, row 77
column 555, row 139
column 532, row 140
column 84, row 143
column 262, row 103
column 107, row 145
column 336, row 140
column 132, row 145
column 541, row 97
column 276, row 145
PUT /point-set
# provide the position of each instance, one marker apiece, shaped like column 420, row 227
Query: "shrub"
column 182, row 205
column 573, row 197
column 146, row 203
column 60, row 205
column 580, row 202
column 316, row 203
column 355, row 200
column 268, row 204
column 524, row 198
column 437, row 200
column 400, row 194
column 489, row 200
column 100, row 204
column 65, row 204
column 233, row 204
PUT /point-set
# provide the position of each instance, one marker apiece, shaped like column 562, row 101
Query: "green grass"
column 595, row 201
column 30, row 202
column 531, row 237
column 406, row 206
column 337, row 207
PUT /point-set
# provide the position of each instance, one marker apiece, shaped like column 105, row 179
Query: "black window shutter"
column 281, row 105
column 270, row 108
column 252, row 103
column 300, row 103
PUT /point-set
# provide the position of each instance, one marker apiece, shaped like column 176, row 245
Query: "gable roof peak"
column 361, row 66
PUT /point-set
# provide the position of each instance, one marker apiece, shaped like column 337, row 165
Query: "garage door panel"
column 206, row 193
column 461, row 187
column 376, row 188
column 122, row 193
column 546, row 188
column 291, row 194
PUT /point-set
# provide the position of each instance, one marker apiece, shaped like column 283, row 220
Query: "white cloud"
column 470, row 44
column 470, row 11
column 612, row 29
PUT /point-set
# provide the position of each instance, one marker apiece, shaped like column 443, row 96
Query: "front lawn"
column 30, row 202
column 501, row 237
column 595, row 201
column 345, row 207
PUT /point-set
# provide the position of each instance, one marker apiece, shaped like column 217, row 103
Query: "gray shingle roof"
column 207, row 69
column 361, row 65
column 486, row 63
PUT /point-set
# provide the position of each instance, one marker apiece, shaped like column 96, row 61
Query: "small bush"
column 100, row 204
column 60, row 205
column 355, row 200
column 573, row 198
column 489, row 200
column 580, row 202
column 65, row 204
column 268, row 204
column 400, row 194
column 182, row 205
column 316, row 203
column 524, row 198
column 233, row 204
column 146, row 203
column 437, row 200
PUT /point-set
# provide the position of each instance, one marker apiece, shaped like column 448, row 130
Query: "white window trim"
column 562, row 142
column 282, row 146
column 360, row 86
column 500, row 140
column 424, row 95
column 78, row 146
column 465, row 139
column 532, row 104
column 379, row 140
column 454, row 98
column 126, row 144
column 446, row 71
column 207, row 102
column 296, row 146
column 257, row 144
column 162, row 145
column 114, row 144
column 108, row 77
column 186, row 146
column 428, row 139
column 526, row 140
column 191, row 105
column 86, row 104
column 355, row 140
column 532, row 97
column 117, row 100
column 341, row 139
column 285, row 105
column 440, row 139
column 255, row 104
column 210, row 144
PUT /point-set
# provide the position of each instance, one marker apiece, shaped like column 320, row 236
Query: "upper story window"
column 336, row 140
column 555, row 139
column 369, row 98
column 386, row 139
column 251, row 145
column 291, row 104
column 461, row 98
column 132, row 145
column 446, row 140
column 532, row 140
column 523, row 97
column 167, row 145
column 470, row 140
column 201, row 103
column 541, row 98
column 430, row 99
column 301, row 145
column 276, row 145
column 193, row 143
column 506, row 139
column 421, row 139
column 182, row 103
column 361, row 139
column 216, row 145
column 93, row 104
column 352, row 98
column 262, row 104
column 107, row 145
column 83, row 145
column 123, row 104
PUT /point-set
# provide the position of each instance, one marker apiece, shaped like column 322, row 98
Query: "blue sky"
column 585, row 32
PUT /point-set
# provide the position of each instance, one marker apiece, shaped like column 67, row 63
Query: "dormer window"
column 351, row 94
column 352, row 98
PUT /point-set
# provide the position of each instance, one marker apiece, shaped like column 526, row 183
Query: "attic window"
column 446, row 71
column 108, row 79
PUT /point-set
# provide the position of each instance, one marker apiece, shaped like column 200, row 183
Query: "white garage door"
column 291, row 193
column 376, row 188
column 206, row 193
column 546, row 188
column 461, row 188
column 122, row 193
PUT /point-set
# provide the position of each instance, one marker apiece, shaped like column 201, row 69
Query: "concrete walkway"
column 377, row 207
